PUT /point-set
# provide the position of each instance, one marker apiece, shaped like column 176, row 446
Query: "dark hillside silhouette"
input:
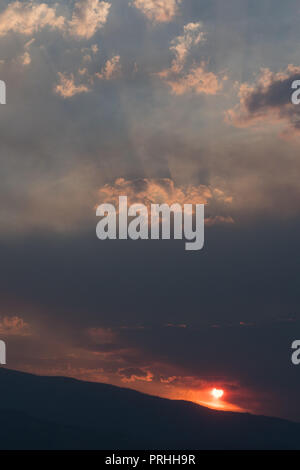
column 62, row 413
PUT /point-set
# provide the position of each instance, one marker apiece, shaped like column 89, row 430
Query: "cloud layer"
column 158, row 11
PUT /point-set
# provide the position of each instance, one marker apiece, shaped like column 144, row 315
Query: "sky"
column 163, row 101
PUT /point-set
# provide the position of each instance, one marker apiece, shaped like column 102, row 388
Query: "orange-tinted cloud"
column 29, row 17
column 183, row 77
column 158, row 11
column 111, row 68
column 182, row 45
column 88, row 16
column 154, row 191
column 67, row 88
column 133, row 374
column 267, row 101
column 161, row 190
column 14, row 326
column 197, row 80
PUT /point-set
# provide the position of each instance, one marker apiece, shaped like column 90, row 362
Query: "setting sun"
column 216, row 393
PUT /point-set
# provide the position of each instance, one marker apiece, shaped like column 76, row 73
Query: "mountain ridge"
column 66, row 413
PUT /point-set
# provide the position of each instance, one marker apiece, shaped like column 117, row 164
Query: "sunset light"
column 149, row 228
column 217, row 393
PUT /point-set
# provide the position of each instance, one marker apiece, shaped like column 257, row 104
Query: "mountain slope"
column 56, row 413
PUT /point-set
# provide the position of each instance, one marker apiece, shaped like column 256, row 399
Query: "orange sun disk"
column 217, row 393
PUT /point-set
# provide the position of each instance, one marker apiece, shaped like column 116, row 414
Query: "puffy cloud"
column 111, row 68
column 154, row 191
column 67, row 87
column 268, row 100
column 88, row 17
column 182, row 45
column 183, row 77
column 25, row 59
column 198, row 80
column 14, row 326
column 29, row 17
column 158, row 11
column 132, row 374
column 163, row 190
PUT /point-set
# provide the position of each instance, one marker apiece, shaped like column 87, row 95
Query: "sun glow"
column 217, row 393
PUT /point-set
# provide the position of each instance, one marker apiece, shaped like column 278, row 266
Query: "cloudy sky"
column 166, row 101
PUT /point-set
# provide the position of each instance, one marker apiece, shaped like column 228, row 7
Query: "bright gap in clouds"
column 217, row 393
